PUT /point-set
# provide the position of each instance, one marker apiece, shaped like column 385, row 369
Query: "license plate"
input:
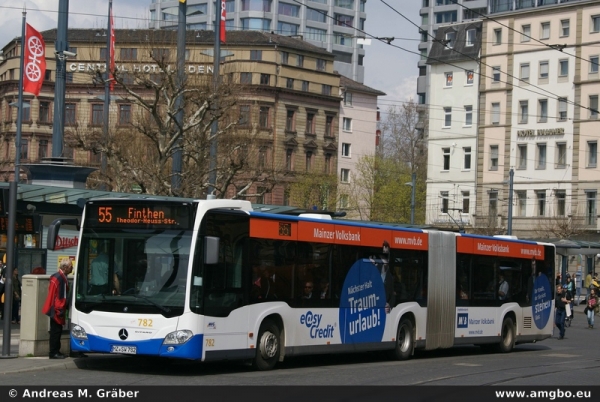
column 130, row 350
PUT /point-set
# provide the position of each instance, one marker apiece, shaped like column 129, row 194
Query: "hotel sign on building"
column 540, row 132
column 139, row 68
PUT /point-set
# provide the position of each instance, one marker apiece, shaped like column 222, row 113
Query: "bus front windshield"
column 133, row 271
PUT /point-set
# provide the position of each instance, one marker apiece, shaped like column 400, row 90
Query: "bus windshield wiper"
column 149, row 300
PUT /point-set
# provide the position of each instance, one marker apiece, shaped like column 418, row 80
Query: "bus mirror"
column 211, row 250
column 54, row 228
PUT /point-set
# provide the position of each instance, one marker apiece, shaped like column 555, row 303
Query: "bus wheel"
column 508, row 336
column 404, row 340
column 268, row 348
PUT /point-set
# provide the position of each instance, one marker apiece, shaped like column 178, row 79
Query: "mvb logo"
column 462, row 321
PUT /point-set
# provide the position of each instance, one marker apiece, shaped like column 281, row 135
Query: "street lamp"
column 412, row 184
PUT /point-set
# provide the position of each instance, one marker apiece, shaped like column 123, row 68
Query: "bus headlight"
column 178, row 337
column 78, row 332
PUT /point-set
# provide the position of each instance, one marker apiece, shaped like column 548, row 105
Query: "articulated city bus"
column 214, row 280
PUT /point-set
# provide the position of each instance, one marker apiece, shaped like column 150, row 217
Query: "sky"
column 387, row 68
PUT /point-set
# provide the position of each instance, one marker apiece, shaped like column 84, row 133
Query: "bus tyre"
column 404, row 340
column 268, row 347
column 507, row 333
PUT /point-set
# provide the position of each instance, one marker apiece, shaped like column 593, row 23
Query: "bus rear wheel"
column 404, row 340
column 268, row 347
column 507, row 333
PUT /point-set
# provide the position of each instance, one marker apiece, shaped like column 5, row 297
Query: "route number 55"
column 104, row 214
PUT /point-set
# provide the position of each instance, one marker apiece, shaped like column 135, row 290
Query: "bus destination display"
column 139, row 216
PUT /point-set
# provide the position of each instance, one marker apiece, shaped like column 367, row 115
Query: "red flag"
column 112, row 52
column 34, row 62
column 223, row 14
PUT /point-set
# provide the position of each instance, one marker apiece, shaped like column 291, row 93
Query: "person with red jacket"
column 56, row 306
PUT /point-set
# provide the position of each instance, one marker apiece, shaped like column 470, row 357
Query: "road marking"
column 560, row 355
column 467, row 364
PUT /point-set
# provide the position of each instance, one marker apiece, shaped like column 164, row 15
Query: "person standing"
column 588, row 283
column 56, row 306
column 561, row 299
column 592, row 308
column 16, row 287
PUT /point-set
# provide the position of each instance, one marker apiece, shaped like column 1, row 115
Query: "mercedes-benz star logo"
column 123, row 334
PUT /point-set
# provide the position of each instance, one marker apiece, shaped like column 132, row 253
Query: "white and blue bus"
column 214, row 280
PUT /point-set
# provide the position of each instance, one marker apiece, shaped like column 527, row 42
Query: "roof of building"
column 440, row 53
column 358, row 87
column 166, row 36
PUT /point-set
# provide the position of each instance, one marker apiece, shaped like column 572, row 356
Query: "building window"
column 285, row 56
column 315, row 15
column 470, row 77
column 545, row 30
column 493, row 157
column 561, row 155
column 289, row 83
column 343, row 20
column 255, row 5
column 563, row 68
column 347, row 98
column 522, row 156
column 129, row 54
column 521, row 202
column 328, row 126
column 468, row 115
column 244, row 119
column 450, row 39
column 26, row 113
column 465, row 202
column 447, row 116
column 526, row 33
column 343, row 201
column 590, row 207
column 541, row 156
column 493, row 203
column 285, row 28
column 592, row 148
column 470, row 37
column 345, row 176
column 328, row 164
column 593, row 106
column 449, row 79
column 497, row 36
column 265, row 79
column 44, row 116
column 124, row 114
column 255, row 54
column 69, row 114
column 97, row 114
column 595, row 23
column 347, row 124
column 290, row 121
column 496, row 113
column 467, row 160
column 562, row 109
column 290, row 10
column 445, row 198
column 594, row 60
column 310, row 123
column 309, row 156
column 42, row 149
column 541, row 202
column 263, row 117
column 305, row 86
column 262, row 157
column 346, row 149
column 299, row 60
column 24, row 149
column 543, row 70
column 495, row 74
column 246, row 78
column 446, row 158
column 525, row 72
column 325, row 89
column 318, row 35
column 523, row 111
column 321, row 65
column 289, row 159
column 564, row 28
column 561, row 197
column 542, row 110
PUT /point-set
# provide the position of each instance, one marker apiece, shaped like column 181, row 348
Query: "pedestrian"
column 570, row 292
column 16, row 288
column 560, row 301
column 56, row 306
column 591, row 308
column 588, row 283
column 577, row 287
column 2, row 281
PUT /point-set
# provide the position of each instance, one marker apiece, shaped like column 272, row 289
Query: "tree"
column 314, row 191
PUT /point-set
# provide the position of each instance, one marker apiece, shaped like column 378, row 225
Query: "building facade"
column 330, row 24
column 291, row 99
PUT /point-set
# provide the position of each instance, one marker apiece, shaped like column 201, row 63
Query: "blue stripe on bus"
column 192, row 349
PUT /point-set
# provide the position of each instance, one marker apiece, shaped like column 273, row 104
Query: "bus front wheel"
column 268, row 347
column 404, row 340
column 507, row 342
